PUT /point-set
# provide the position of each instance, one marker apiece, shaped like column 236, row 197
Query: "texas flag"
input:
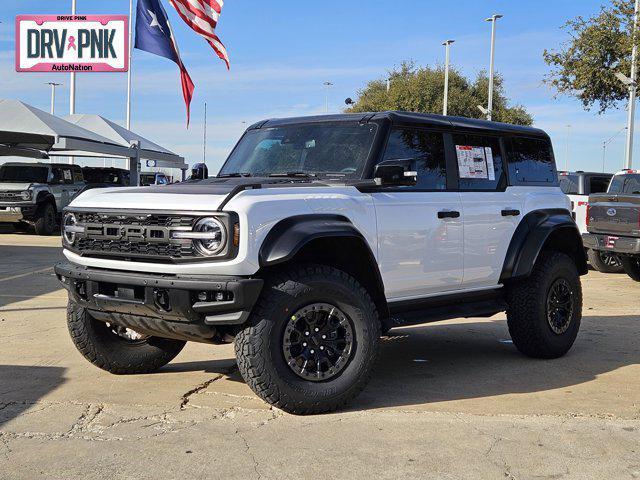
column 154, row 35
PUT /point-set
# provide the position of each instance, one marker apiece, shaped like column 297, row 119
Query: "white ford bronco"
column 319, row 235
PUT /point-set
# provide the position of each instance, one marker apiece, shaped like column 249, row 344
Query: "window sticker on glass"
column 475, row 162
column 66, row 174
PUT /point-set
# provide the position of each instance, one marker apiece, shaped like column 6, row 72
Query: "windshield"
column 103, row 176
column 23, row 173
column 147, row 179
column 339, row 150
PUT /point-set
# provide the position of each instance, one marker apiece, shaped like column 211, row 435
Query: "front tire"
column 605, row 262
column 45, row 221
column 106, row 347
column 311, row 341
column 545, row 309
column 631, row 266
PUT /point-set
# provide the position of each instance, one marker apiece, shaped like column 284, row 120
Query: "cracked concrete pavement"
column 448, row 400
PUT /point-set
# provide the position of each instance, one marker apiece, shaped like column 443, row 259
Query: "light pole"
column 628, row 157
column 445, row 102
column 388, row 84
column 53, row 95
column 327, row 86
column 492, row 19
column 566, row 158
column 130, row 65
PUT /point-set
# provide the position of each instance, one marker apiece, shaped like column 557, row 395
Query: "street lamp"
column 327, row 86
column 445, row 102
column 491, row 19
column 53, row 95
column 566, row 158
column 631, row 84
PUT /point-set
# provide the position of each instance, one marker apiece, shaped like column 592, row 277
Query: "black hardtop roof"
column 581, row 172
column 37, row 164
column 409, row 118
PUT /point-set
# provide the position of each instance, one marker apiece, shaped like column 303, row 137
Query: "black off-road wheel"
column 631, row 266
column 45, row 221
column 545, row 309
column 605, row 262
column 116, row 349
column 311, row 341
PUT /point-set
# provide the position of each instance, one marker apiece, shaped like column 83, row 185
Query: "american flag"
column 202, row 16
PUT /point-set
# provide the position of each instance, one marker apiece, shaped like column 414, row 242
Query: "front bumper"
column 612, row 243
column 161, row 305
column 11, row 212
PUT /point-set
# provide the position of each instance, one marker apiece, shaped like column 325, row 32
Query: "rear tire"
column 299, row 305
column 605, row 262
column 45, row 222
column 545, row 309
column 631, row 266
column 98, row 343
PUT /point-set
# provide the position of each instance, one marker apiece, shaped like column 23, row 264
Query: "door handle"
column 448, row 214
column 507, row 212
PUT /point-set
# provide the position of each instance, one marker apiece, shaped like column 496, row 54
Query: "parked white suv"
column 319, row 234
column 578, row 186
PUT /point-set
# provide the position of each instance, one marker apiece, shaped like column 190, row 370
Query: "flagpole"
column 72, row 82
column 130, row 65
column 204, row 139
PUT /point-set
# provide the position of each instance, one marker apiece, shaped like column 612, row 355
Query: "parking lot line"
column 13, row 277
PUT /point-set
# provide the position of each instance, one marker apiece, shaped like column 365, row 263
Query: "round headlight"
column 25, row 195
column 216, row 237
column 68, row 221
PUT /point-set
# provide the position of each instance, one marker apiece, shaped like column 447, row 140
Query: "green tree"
column 584, row 67
column 416, row 89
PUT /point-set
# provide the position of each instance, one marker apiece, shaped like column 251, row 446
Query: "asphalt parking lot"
column 449, row 400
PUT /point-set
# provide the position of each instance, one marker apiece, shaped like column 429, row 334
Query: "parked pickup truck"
column 613, row 221
column 578, row 186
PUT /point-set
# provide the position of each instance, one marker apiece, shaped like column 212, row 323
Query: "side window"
column 479, row 162
column 569, row 184
column 598, row 184
column 426, row 152
column 67, row 175
column 77, row 174
column 632, row 184
column 56, row 176
column 530, row 160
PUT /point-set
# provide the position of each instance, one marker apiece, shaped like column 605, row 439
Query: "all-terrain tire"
column 601, row 265
column 97, row 342
column 45, row 221
column 631, row 266
column 259, row 345
column 528, row 313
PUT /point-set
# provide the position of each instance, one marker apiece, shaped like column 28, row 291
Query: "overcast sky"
column 282, row 51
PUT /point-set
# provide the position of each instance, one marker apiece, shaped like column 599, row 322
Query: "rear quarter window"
column 569, row 184
column 531, row 162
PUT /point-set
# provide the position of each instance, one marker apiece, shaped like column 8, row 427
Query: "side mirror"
column 395, row 172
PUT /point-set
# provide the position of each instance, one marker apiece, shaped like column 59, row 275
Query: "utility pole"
column 493, row 20
column 628, row 158
column 53, row 96
column 327, row 86
column 445, row 102
column 605, row 143
column 130, row 65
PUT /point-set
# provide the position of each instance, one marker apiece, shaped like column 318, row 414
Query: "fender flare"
column 530, row 236
column 288, row 236
column 45, row 196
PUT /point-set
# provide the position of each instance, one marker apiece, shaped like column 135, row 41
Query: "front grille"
column 145, row 220
column 10, row 197
column 131, row 235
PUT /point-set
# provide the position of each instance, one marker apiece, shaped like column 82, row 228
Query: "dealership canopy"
column 152, row 153
column 25, row 126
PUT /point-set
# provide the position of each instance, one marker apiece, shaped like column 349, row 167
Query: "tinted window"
column 22, row 173
column 598, row 184
column 569, row 184
column 531, row 161
column 77, row 174
column 623, row 183
column 632, row 184
column 426, row 152
column 479, row 162
column 57, row 175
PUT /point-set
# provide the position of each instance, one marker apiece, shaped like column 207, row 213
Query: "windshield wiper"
column 293, row 174
column 234, row 174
